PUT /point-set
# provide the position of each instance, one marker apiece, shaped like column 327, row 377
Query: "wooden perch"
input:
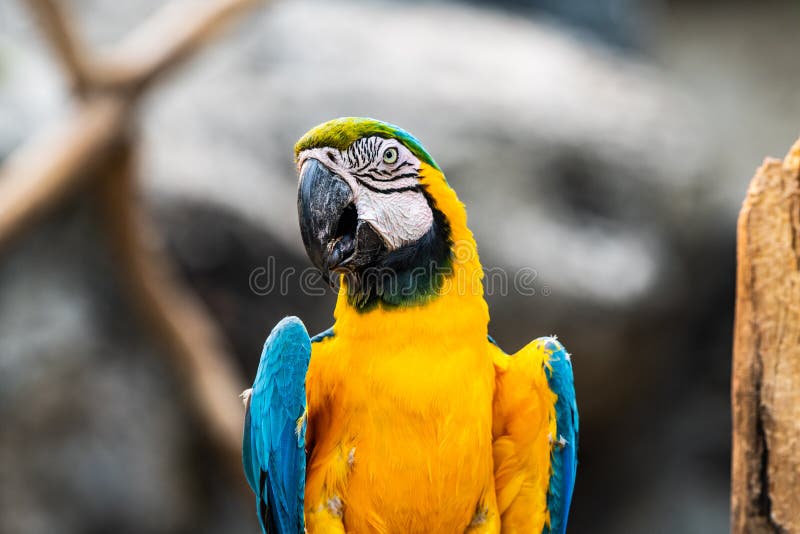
column 766, row 356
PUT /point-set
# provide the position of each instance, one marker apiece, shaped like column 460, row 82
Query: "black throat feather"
column 410, row 275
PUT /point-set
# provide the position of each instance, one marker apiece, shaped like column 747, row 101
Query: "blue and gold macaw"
column 405, row 416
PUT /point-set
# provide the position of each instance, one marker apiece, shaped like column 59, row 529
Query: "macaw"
column 405, row 416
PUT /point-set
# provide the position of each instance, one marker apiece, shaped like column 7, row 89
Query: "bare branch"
column 168, row 37
column 51, row 164
column 195, row 346
column 58, row 28
column 94, row 139
column 37, row 175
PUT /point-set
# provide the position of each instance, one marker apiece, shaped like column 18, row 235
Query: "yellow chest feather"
column 408, row 401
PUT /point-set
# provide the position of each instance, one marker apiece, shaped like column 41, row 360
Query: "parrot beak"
column 334, row 238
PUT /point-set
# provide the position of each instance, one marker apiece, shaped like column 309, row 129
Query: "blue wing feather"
column 323, row 335
column 565, row 444
column 247, row 453
column 273, row 450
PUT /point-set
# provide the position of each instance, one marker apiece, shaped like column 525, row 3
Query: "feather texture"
column 535, row 426
column 564, row 458
column 273, row 446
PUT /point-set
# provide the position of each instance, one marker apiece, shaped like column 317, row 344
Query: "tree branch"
column 41, row 172
column 95, row 139
column 60, row 32
column 52, row 164
column 178, row 29
column 178, row 317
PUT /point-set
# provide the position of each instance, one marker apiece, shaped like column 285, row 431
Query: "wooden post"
column 765, row 492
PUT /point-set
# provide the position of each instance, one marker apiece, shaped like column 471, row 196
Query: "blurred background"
column 607, row 144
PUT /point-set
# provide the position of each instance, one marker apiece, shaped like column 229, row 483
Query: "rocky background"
column 606, row 144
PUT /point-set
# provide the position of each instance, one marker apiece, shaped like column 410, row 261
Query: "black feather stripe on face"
column 388, row 190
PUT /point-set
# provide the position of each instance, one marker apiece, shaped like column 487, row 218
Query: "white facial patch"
column 400, row 218
column 383, row 175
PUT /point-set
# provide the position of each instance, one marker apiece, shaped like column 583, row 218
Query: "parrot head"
column 373, row 209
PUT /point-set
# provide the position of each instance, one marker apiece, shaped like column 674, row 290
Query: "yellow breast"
column 410, row 406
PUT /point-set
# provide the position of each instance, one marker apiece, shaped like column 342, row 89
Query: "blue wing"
column 565, row 444
column 273, row 446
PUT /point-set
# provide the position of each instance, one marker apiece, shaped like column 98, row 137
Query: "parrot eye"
column 390, row 155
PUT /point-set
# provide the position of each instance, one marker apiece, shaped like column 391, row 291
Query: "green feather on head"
column 343, row 132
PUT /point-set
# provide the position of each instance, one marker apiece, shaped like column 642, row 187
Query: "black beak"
column 334, row 237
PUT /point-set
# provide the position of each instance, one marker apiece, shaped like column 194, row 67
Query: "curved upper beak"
column 334, row 237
